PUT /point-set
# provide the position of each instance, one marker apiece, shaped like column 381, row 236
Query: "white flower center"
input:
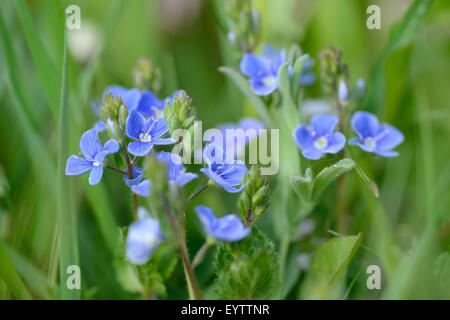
column 151, row 240
column 320, row 143
column 370, row 143
column 96, row 163
column 145, row 137
column 269, row 80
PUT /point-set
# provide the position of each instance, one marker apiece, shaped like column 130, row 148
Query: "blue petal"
column 343, row 91
column 303, row 137
column 159, row 128
column 206, row 216
column 255, row 66
column 234, row 176
column 77, row 165
column 135, row 124
column 231, row 189
column 131, row 98
column 324, row 124
column 365, row 124
column 392, row 137
column 336, row 143
column 148, row 102
column 230, row 228
column 89, row 144
column 96, row 175
column 185, row 178
column 143, row 238
column 111, row 146
column 116, row 91
column 140, row 148
column 100, row 126
column 312, row 154
column 262, row 89
column 386, row 153
column 142, row 189
column 165, row 141
column 279, row 60
column 307, row 79
column 270, row 51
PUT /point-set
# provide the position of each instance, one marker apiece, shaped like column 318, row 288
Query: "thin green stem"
column 200, row 254
column 196, row 194
column 117, row 170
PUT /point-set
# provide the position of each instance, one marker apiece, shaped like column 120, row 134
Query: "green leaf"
column 45, row 67
column 247, row 269
column 8, row 273
column 303, row 185
column 328, row 264
column 400, row 35
column 244, row 86
column 329, row 174
column 297, row 71
column 289, row 110
column 66, row 220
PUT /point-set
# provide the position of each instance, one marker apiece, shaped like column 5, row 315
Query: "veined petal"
column 77, row 165
column 365, row 124
column 140, row 148
column 324, row 124
column 89, row 144
column 159, row 128
column 255, row 66
column 231, row 189
column 96, row 175
column 135, row 124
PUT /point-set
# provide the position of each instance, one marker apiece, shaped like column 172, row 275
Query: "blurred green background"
column 406, row 66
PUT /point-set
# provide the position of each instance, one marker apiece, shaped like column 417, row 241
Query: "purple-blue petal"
column 96, row 175
column 89, row 144
column 365, row 124
column 139, row 148
column 136, row 124
column 255, row 66
column 336, row 143
column 392, row 137
column 324, row 124
column 142, row 189
column 77, row 165
column 303, row 137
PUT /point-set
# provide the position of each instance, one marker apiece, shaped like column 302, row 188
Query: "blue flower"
column 375, row 137
column 143, row 237
column 94, row 154
column 248, row 125
column 263, row 71
column 225, row 174
column 175, row 169
column 146, row 102
column 228, row 228
column 146, row 132
column 137, row 184
column 307, row 77
column 319, row 138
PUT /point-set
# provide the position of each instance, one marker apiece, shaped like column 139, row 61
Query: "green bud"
column 254, row 199
column 147, row 76
column 123, row 115
column 332, row 70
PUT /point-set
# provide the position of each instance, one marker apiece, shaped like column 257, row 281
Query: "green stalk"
column 67, row 229
column 9, row 274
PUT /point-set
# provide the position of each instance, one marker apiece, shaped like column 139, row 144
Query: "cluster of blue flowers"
column 318, row 138
column 145, row 127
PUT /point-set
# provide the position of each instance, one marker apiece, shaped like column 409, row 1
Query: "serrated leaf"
column 329, row 174
column 245, row 88
column 247, row 269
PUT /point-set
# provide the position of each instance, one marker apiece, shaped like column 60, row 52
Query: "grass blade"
column 9, row 274
column 67, row 230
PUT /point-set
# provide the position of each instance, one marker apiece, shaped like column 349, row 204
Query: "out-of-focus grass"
column 401, row 226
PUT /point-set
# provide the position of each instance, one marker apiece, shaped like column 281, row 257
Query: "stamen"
column 320, row 143
column 145, row 137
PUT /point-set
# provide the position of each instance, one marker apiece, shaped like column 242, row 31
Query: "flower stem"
column 200, row 254
column 130, row 176
column 196, row 194
column 117, row 170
